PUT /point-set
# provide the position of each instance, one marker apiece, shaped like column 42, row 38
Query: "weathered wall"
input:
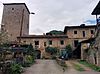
column 79, row 35
column 12, row 17
column 97, row 43
column 70, row 32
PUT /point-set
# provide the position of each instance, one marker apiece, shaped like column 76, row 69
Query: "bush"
column 51, row 50
column 29, row 60
column 15, row 69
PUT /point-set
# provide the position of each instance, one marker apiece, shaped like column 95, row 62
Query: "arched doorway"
column 37, row 54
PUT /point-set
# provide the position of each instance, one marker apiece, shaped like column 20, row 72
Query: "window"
column 50, row 42
column 75, row 32
column 62, row 42
column 36, row 42
column 12, row 8
column 75, row 43
column 92, row 32
column 44, row 43
column 83, row 33
column 24, row 41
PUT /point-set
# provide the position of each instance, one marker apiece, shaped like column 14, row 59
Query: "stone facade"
column 68, row 38
column 15, row 13
column 79, row 33
column 40, row 42
column 12, row 18
column 97, row 45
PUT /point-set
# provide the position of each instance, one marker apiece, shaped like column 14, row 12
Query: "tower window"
column 12, row 8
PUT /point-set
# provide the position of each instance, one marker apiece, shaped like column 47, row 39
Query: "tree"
column 55, row 32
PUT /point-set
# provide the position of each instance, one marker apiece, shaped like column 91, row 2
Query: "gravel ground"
column 51, row 67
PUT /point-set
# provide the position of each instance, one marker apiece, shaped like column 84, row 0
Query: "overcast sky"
column 56, row 14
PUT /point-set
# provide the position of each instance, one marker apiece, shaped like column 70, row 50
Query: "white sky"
column 56, row 14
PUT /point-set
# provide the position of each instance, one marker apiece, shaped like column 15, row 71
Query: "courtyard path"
column 51, row 67
column 44, row 67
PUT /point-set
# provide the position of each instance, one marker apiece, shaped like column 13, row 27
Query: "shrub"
column 15, row 69
column 51, row 50
column 29, row 60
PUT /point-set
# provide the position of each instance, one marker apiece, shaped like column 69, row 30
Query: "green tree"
column 55, row 32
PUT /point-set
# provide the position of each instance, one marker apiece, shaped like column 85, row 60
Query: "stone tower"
column 15, row 19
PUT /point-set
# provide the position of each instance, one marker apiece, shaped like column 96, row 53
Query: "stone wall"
column 97, row 43
column 79, row 36
column 12, row 17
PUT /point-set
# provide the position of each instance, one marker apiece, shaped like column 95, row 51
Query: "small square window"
column 92, row 32
column 50, row 42
column 75, row 32
column 62, row 42
column 12, row 8
column 36, row 42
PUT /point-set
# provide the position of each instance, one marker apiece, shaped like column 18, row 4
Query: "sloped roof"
column 77, row 27
column 88, row 41
column 44, row 36
column 96, row 10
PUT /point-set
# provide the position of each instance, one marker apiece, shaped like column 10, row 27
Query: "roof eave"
column 96, row 10
column 17, row 4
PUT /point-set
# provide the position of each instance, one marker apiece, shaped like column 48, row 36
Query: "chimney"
column 43, row 33
column 82, row 25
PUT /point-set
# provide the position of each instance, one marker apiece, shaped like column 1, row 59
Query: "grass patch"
column 92, row 66
column 78, row 67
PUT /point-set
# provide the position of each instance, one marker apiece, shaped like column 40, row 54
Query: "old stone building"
column 15, row 21
column 72, row 36
column 91, row 48
column 40, row 42
column 15, row 18
column 77, row 34
column 96, row 44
